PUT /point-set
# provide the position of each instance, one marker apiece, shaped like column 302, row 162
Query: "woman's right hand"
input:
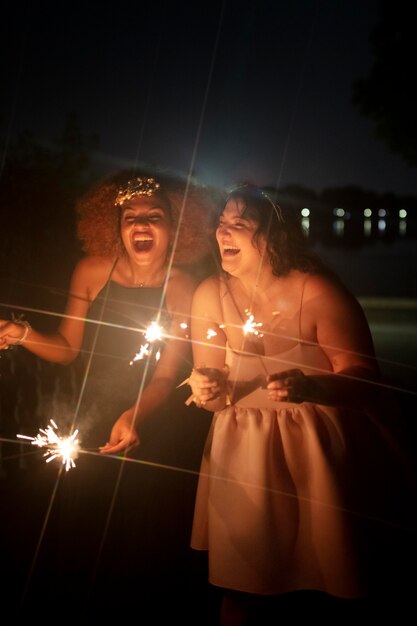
column 123, row 436
column 207, row 383
column 10, row 333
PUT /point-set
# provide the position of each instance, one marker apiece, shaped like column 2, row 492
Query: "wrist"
column 26, row 330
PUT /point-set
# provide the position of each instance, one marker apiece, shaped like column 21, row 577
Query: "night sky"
column 226, row 90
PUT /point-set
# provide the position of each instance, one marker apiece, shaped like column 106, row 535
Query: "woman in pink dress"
column 284, row 358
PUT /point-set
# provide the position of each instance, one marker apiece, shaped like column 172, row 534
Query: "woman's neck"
column 135, row 275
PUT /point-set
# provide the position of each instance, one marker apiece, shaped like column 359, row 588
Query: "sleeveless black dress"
column 111, row 375
column 119, row 526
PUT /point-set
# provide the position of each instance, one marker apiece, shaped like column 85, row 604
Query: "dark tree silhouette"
column 39, row 185
column 387, row 95
column 38, row 188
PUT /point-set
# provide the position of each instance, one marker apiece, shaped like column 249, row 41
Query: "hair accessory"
column 275, row 206
column 136, row 187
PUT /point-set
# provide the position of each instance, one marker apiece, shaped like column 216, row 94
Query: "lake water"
column 384, row 270
column 381, row 271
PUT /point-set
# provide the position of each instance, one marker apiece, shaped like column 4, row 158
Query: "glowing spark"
column 250, row 326
column 64, row 448
column 153, row 333
column 183, row 325
column 211, row 333
column 144, row 351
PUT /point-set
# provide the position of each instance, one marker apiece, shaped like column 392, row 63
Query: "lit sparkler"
column 250, row 326
column 64, row 448
column 153, row 333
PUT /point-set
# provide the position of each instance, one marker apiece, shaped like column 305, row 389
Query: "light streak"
column 58, row 447
column 154, row 332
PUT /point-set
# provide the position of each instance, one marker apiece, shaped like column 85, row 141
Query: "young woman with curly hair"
column 117, row 524
column 136, row 232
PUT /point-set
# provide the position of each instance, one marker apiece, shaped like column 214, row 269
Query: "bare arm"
column 341, row 330
column 208, row 379
column 64, row 345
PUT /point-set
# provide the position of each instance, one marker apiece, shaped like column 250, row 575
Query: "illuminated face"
column 239, row 253
column 145, row 229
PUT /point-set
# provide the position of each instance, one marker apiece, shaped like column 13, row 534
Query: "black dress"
column 111, row 374
column 121, row 526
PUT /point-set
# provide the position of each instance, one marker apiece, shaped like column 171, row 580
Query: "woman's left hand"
column 289, row 386
column 10, row 333
column 123, row 436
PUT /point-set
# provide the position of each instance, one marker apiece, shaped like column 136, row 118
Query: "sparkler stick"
column 249, row 327
column 64, row 448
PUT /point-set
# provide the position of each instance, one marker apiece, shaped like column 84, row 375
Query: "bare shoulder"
column 180, row 289
column 91, row 274
column 208, row 288
column 319, row 284
column 180, row 279
column 94, row 266
column 325, row 292
column 207, row 297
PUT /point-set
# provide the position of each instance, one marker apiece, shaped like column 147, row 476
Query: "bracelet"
column 28, row 328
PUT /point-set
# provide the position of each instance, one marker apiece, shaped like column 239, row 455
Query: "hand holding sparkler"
column 123, row 437
column 207, row 384
column 13, row 332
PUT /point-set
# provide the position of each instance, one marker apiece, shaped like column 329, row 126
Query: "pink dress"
column 273, row 505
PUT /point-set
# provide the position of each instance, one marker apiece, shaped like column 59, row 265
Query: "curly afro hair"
column 190, row 204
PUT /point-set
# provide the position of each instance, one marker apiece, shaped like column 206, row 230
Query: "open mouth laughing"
column 230, row 251
column 142, row 243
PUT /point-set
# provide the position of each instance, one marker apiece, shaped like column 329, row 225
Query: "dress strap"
column 106, row 288
column 300, row 334
column 225, row 291
column 112, row 270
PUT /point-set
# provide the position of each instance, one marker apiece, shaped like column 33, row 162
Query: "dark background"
column 227, row 90
column 311, row 99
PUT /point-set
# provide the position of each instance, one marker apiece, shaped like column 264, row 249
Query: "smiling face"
column 235, row 236
column 145, row 228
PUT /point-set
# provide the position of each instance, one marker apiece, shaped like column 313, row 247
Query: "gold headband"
column 136, row 187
